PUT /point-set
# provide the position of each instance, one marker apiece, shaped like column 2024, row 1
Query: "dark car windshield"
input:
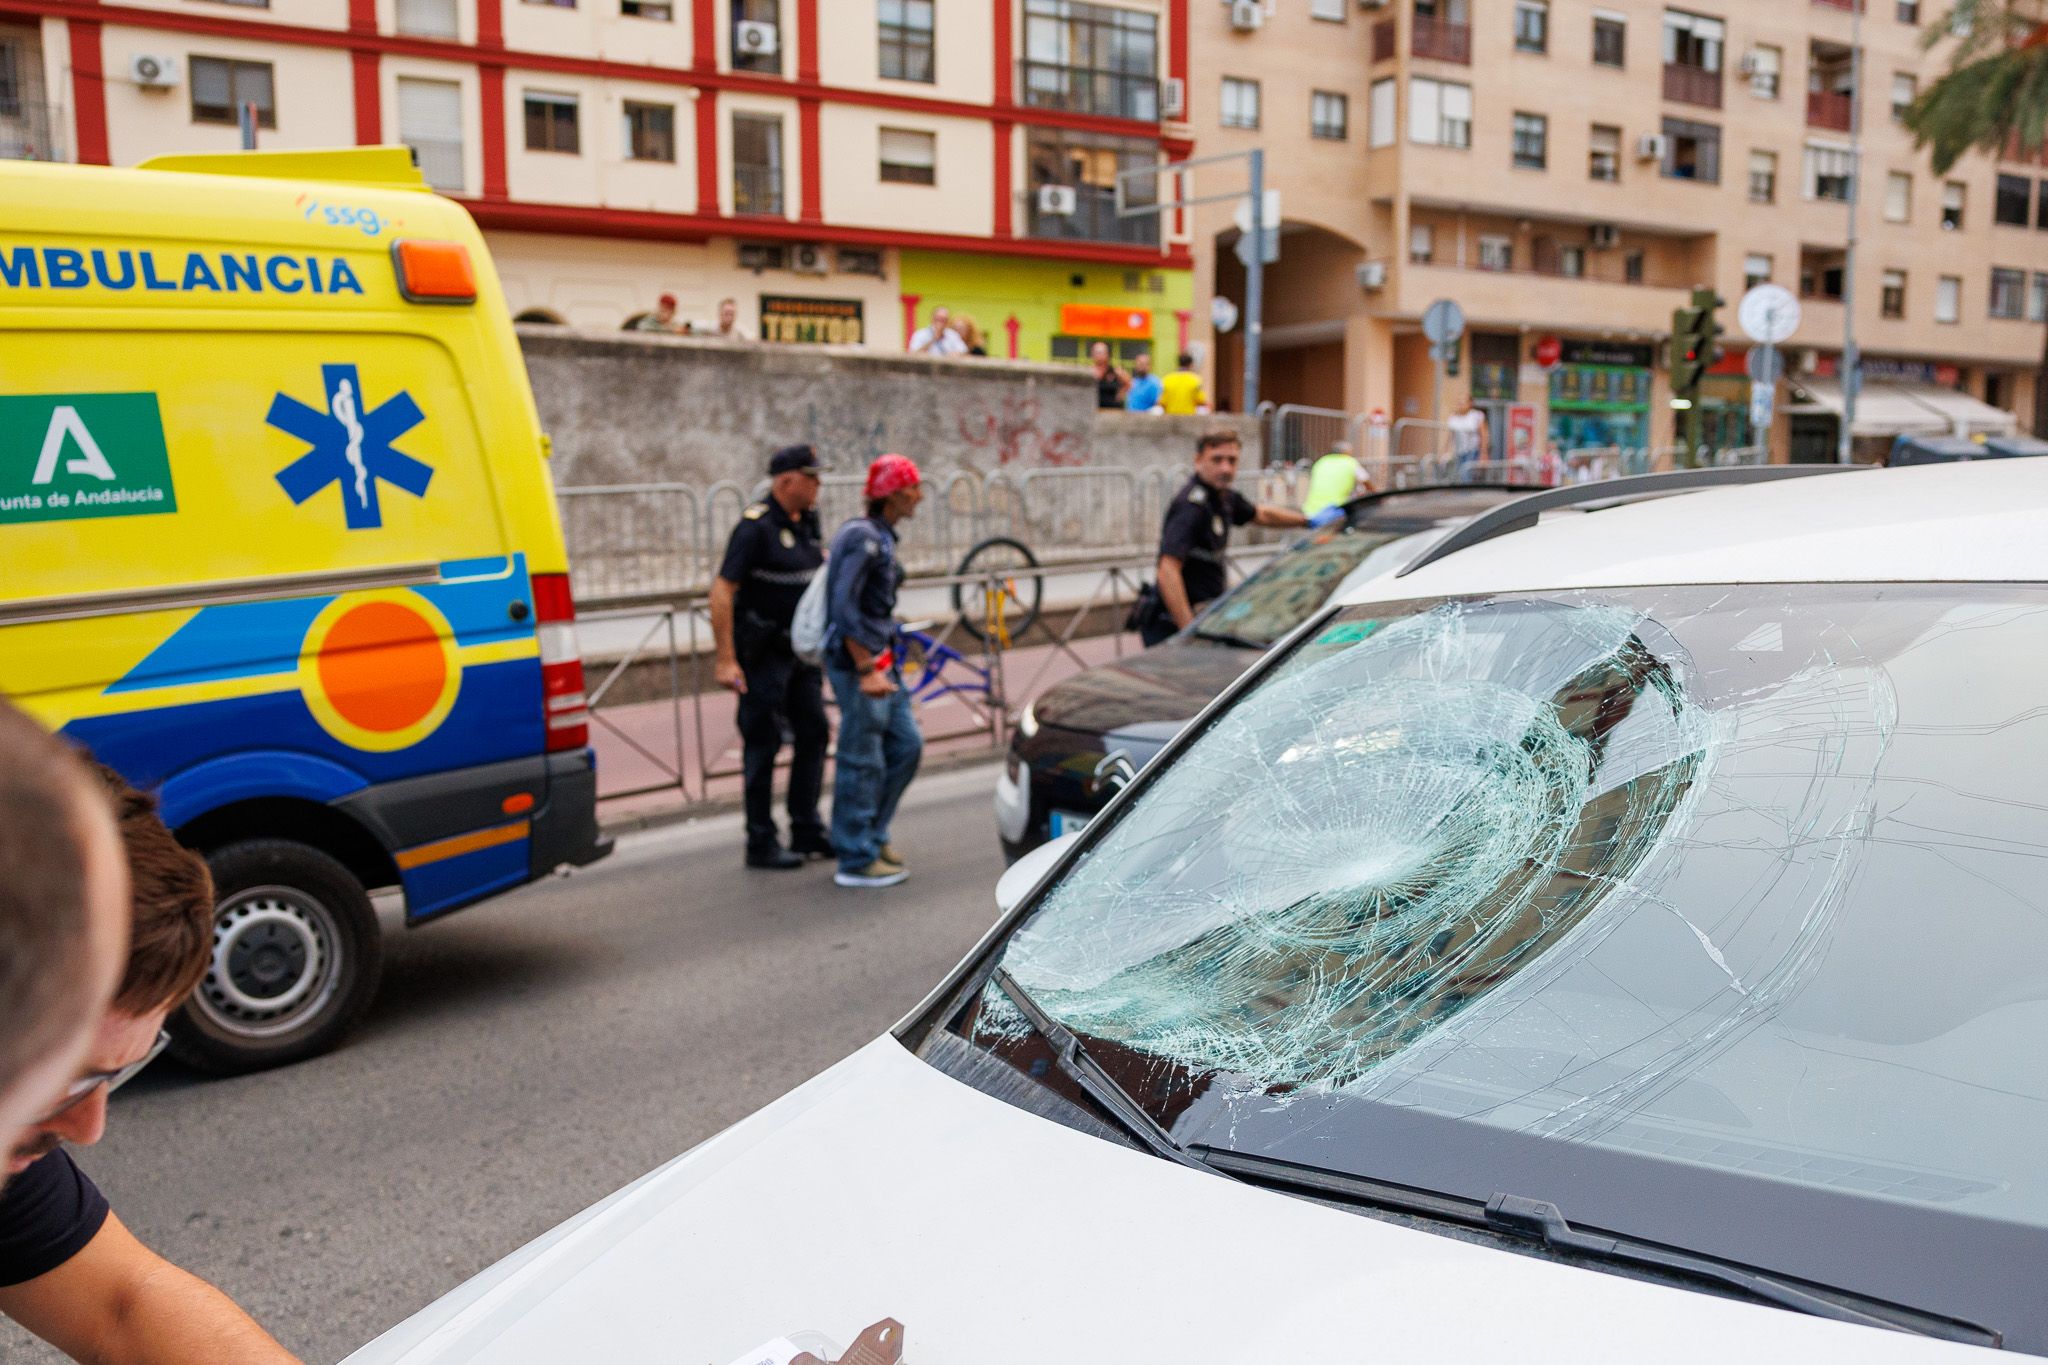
column 1288, row 589
column 1713, row 914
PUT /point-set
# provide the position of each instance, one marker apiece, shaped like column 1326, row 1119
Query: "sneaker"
column 776, row 859
column 888, row 854
column 876, row 873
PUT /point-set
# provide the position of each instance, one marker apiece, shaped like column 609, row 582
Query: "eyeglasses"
column 81, row 1088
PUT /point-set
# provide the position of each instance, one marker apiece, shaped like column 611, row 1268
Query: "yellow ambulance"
column 278, row 542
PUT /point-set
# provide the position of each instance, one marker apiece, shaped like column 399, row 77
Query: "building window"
column 2007, row 289
column 1692, row 151
column 1632, row 266
column 1334, row 10
column 1610, row 38
column 1329, row 115
column 1421, row 243
column 757, row 36
column 1756, row 270
column 1891, row 300
column 1383, row 132
column 906, row 35
column 1821, row 273
column 554, row 4
column 650, row 131
column 756, row 164
column 1240, row 103
column 1909, row 11
column 1948, row 298
column 1763, row 177
column 2009, row 204
column 1905, row 89
column 1532, row 134
column 1571, row 261
column 2037, row 299
column 1952, row 205
column 1766, row 64
column 1091, row 59
column 551, row 122
column 1898, row 197
column 909, row 157
column 427, row 18
column 648, row 9
column 2041, row 207
column 221, row 87
column 1439, row 113
column 1603, row 160
column 1496, row 253
column 1693, row 40
column 1828, row 173
column 430, row 122
column 1088, row 164
column 1532, row 25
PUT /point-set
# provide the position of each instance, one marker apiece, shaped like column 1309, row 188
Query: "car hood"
column 885, row 1189
column 1169, row 683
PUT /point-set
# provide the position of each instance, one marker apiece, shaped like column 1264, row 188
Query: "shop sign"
column 1607, row 353
column 832, row 322
column 1549, row 350
column 1106, row 321
column 1521, row 431
column 1599, row 387
column 1884, row 370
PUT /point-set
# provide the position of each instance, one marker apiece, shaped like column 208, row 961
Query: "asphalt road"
column 528, row 1056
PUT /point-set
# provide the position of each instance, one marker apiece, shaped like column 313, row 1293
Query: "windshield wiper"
column 1225, row 637
column 1084, row 1071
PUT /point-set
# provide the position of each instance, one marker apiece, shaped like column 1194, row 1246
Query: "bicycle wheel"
column 1012, row 607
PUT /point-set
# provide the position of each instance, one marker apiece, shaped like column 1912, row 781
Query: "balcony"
column 1083, row 90
column 1094, row 219
column 1384, row 42
column 1850, row 5
column 757, row 190
column 1830, row 109
column 29, row 132
column 1544, row 298
column 1692, row 85
column 1443, row 40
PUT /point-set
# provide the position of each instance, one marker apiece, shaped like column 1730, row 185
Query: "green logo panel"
column 70, row 455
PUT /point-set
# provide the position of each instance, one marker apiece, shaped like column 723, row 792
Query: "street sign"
column 1243, row 249
column 1243, row 216
column 1769, row 314
column 1764, row 365
column 1222, row 313
column 1762, row 403
column 1443, row 321
column 1549, row 350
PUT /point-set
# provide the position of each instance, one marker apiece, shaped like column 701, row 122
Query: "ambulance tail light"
column 561, row 663
column 434, row 272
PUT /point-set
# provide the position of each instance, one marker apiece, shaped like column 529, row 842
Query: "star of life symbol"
column 351, row 446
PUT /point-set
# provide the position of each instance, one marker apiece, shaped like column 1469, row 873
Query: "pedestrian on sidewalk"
column 1110, row 383
column 1468, row 439
column 1195, row 535
column 1145, row 388
column 1334, row 480
column 1181, row 393
column 773, row 553
column 879, row 743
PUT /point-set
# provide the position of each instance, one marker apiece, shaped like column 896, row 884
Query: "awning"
column 1903, row 409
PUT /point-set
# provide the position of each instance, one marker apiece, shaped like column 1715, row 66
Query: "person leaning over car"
column 70, row 1271
column 63, row 920
column 1196, row 533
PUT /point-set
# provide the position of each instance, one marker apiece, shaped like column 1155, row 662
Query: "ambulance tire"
column 297, row 957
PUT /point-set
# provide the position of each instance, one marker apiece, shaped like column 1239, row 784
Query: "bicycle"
column 1004, row 605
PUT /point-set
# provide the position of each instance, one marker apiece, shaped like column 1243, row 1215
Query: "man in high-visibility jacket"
column 1334, row 480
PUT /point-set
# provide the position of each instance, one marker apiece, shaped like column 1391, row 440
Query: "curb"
column 641, row 821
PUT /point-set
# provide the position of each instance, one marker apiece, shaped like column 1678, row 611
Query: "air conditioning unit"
column 1652, row 147
column 1246, row 15
column 1372, row 275
column 1058, row 201
column 153, row 71
column 1603, row 236
column 1748, row 65
column 755, row 38
column 808, row 258
column 1173, row 98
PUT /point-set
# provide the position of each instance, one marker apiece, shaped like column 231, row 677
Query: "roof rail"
column 1522, row 513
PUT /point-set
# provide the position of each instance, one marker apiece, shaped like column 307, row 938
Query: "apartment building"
column 837, row 167
column 1567, row 171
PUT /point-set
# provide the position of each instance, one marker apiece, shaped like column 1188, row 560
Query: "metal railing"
column 1082, row 90
column 1445, row 40
column 757, row 190
column 30, row 131
column 1692, row 85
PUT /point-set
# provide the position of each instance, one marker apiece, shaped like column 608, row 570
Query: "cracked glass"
column 1738, row 880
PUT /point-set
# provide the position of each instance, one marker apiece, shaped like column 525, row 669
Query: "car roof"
column 1982, row 521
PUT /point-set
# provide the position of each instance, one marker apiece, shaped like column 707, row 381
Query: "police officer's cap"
column 791, row 458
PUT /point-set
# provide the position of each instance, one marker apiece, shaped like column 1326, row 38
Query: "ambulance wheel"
column 296, row 957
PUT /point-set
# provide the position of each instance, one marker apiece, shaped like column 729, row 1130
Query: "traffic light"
column 1695, row 345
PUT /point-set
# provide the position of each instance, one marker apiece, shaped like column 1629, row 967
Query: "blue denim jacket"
column 862, row 575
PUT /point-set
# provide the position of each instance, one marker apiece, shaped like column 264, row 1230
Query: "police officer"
column 1196, row 532
column 774, row 552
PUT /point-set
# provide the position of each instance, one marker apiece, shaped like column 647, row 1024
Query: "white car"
column 1619, row 938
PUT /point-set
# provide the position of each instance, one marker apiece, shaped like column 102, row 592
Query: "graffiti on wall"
column 1011, row 428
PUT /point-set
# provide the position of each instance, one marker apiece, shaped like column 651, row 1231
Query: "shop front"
column 1600, row 395
column 1031, row 309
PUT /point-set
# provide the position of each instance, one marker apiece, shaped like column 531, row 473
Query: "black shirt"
column 771, row 557
column 1197, row 531
column 47, row 1215
column 1109, row 388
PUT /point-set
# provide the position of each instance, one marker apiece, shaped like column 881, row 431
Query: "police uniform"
column 770, row 559
column 1196, row 531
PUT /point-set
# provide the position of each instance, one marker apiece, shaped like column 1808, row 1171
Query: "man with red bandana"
column 879, row 744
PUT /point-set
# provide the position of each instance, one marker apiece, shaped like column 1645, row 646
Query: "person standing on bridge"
column 773, row 554
column 879, row 743
column 1196, row 533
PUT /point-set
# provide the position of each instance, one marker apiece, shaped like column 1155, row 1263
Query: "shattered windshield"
column 1287, row 591
column 1747, row 880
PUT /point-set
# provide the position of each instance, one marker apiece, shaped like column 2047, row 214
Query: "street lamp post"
column 1852, row 365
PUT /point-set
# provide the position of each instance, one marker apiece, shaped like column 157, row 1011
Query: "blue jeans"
column 877, row 755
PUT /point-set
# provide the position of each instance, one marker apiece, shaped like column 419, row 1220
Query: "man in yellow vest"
column 1333, row 480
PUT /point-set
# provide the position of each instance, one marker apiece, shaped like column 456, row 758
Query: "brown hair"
column 45, row 809
column 1217, row 436
column 171, row 939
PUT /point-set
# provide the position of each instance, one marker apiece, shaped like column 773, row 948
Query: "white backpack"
column 807, row 627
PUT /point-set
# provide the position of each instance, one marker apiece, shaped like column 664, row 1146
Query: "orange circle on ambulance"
column 378, row 669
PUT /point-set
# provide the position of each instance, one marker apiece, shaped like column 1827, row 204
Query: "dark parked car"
column 1076, row 744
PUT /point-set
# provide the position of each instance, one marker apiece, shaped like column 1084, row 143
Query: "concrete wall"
column 625, row 408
